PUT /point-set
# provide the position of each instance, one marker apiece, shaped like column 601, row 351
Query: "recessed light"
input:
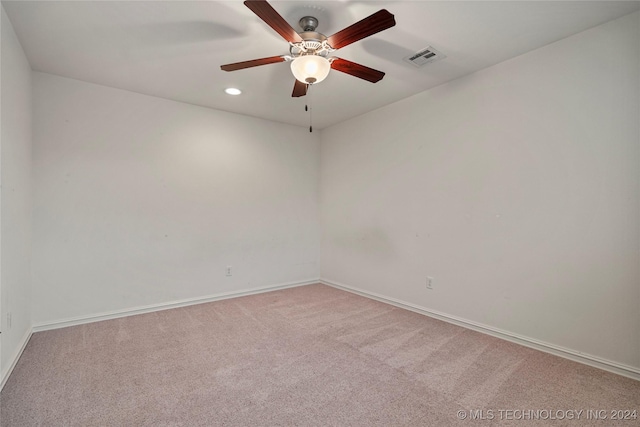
column 233, row 91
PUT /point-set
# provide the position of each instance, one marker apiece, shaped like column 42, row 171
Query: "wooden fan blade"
column 253, row 63
column 273, row 19
column 357, row 70
column 381, row 20
column 299, row 89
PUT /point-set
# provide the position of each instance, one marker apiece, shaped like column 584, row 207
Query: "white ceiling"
column 174, row 49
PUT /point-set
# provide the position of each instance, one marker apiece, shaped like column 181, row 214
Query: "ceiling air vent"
column 424, row 56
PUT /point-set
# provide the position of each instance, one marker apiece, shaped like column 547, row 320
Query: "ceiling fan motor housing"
column 313, row 43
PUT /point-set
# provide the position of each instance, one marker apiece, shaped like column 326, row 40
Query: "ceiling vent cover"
column 424, row 56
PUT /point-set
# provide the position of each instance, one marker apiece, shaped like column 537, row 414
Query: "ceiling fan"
column 310, row 50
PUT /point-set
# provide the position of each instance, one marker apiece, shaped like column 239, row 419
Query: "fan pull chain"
column 309, row 108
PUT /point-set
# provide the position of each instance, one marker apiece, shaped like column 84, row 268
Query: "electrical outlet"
column 429, row 282
column 228, row 271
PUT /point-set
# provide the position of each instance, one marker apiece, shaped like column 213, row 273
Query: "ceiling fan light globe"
column 310, row 69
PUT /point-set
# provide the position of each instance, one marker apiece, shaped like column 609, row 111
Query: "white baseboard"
column 15, row 357
column 607, row 365
column 587, row 359
column 56, row 324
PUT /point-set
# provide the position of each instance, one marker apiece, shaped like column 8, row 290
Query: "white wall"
column 516, row 188
column 15, row 198
column 140, row 200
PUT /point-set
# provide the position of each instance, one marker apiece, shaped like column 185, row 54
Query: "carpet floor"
column 305, row 356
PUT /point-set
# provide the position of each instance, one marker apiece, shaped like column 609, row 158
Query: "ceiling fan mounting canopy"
column 309, row 49
column 308, row 23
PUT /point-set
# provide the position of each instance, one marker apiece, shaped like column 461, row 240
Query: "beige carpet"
column 307, row 356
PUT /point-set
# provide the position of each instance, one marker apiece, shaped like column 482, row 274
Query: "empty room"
column 319, row 213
